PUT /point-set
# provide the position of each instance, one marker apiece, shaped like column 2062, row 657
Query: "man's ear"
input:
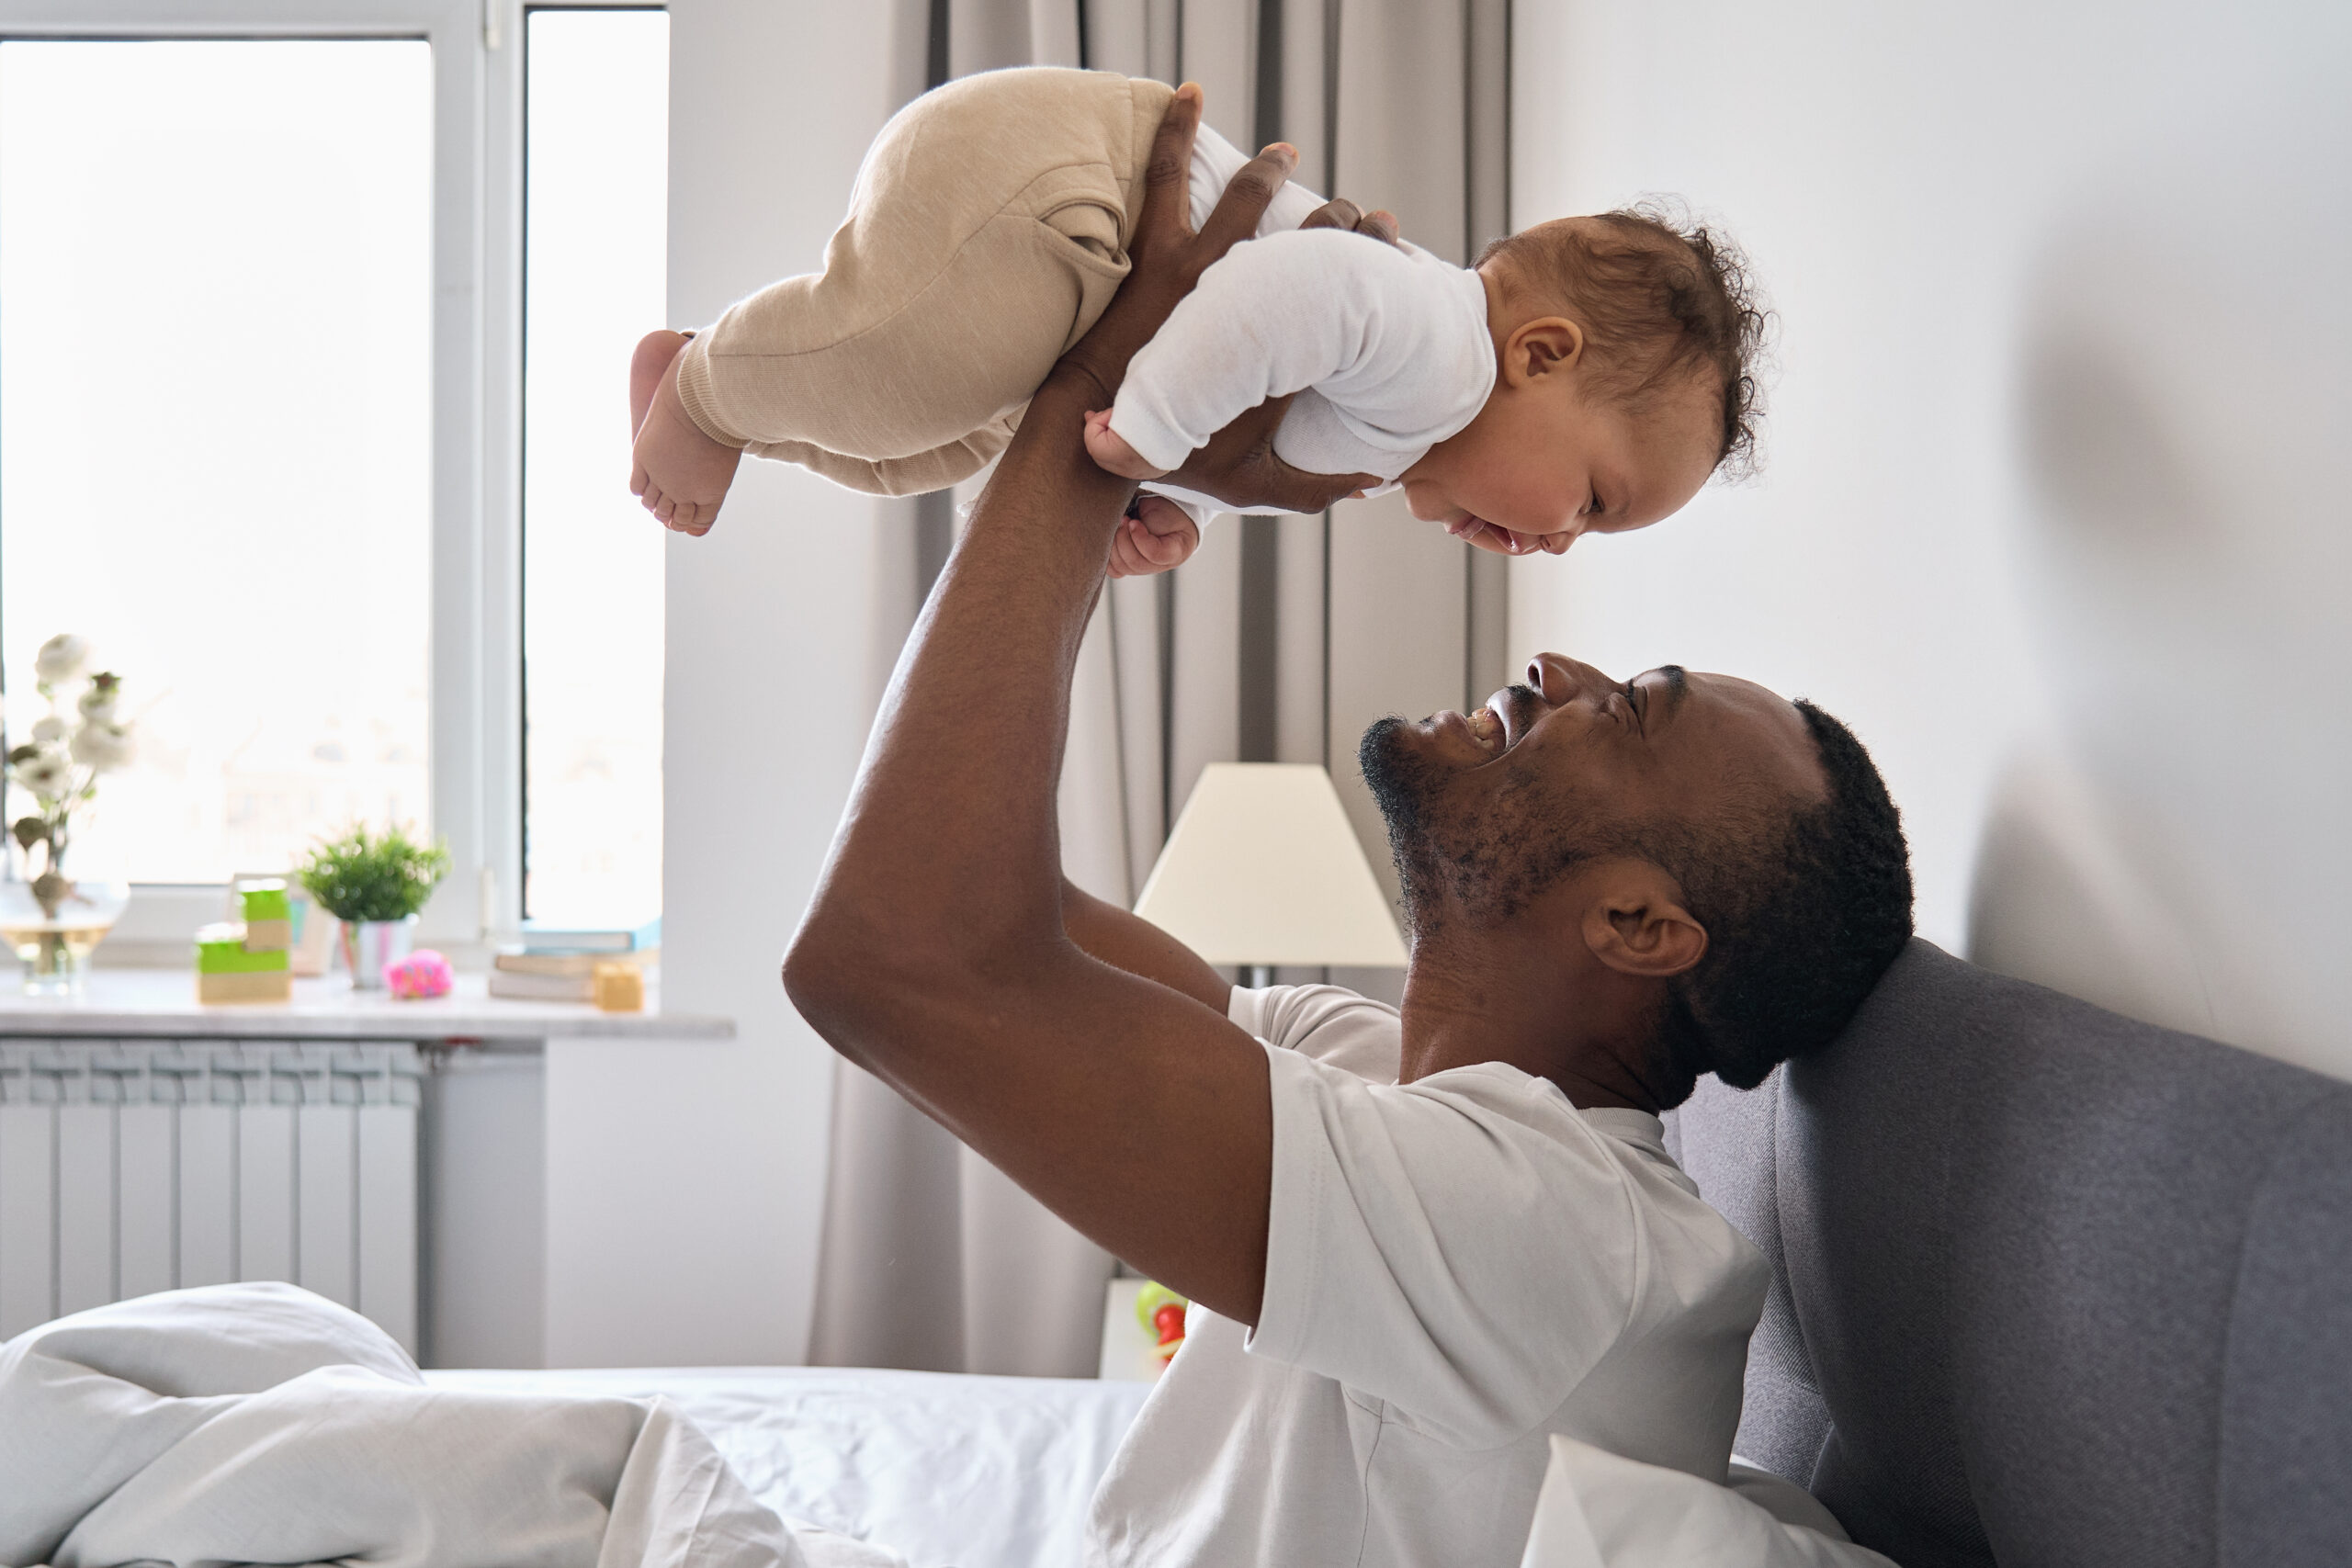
column 1636, row 925
column 1540, row 347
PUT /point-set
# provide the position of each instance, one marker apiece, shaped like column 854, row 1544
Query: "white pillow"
column 1599, row 1510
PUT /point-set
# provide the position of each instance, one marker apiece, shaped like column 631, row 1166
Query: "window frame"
column 517, row 62
column 476, row 643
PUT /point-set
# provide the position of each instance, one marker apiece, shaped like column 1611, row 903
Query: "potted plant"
column 375, row 884
column 53, row 918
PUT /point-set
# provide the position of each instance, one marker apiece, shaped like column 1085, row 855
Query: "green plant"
column 373, row 877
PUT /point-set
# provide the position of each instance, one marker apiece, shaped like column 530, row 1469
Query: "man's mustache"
column 1517, row 705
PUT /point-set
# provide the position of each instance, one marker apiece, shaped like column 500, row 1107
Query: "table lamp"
column 1264, row 869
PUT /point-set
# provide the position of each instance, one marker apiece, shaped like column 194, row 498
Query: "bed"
column 949, row 1470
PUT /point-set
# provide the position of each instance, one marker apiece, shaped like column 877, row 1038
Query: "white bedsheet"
column 259, row 1422
column 949, row 1471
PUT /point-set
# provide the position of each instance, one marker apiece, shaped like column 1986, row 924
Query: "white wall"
column 2054, row 514
column 485, row 1230
column 1924, row 194
column 717, row 1151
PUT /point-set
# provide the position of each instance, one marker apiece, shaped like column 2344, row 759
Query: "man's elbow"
column 833, row 975
column 855, row 972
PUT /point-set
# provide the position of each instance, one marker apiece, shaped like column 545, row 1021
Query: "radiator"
column 134, row 1166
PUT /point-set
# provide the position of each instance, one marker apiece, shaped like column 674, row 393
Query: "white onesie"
column 1387, row 346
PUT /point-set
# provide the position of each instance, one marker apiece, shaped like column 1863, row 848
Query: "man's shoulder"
column 1330, row 1024
column 1575, row 1245
column 1495, row 1128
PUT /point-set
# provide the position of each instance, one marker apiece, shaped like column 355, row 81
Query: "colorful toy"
column 246, row 961
column 1161, row 1313
column 310, row 931
column 617, row 986
column 229, row 970
column 269, row 917
column 419, row 976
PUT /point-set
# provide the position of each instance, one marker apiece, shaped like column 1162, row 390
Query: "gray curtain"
column 1279, row 641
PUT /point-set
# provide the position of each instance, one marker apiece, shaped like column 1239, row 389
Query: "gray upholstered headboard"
column 2050, row 1286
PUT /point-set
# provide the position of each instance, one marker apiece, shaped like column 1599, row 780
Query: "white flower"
column 98, row 704
column 46, row 776
column 61, row 658
column 47, row 730
column 103, row 745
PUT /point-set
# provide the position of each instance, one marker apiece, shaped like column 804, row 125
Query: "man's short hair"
column 1800, row 922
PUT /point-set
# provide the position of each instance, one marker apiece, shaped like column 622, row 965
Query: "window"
column 264, row 332
column 596, row 220
column 216, row 407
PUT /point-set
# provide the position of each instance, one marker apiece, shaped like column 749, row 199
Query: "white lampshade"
column 1264, row 869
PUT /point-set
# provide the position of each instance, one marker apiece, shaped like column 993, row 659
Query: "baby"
column 1587, row 376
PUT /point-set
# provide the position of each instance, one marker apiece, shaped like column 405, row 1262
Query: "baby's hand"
column 1112, row 454
column 1502, row 541
column 1155, row 537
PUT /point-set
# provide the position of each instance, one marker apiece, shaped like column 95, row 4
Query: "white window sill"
column 163, row 1002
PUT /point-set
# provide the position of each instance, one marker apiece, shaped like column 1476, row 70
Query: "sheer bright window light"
column 1262, row 868
column 595, row 224
column 216, row 412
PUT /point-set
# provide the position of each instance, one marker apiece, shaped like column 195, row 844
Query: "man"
column 1417, row 1242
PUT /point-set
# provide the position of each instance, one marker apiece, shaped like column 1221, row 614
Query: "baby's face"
column 1545, row 459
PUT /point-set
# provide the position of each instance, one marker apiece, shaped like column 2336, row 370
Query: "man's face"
column 1485, row 811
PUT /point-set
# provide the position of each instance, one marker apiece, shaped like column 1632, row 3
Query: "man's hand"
column 1238, row 465
column 1166, row 257
column 1340, row 213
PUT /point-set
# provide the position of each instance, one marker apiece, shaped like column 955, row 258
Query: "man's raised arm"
column 935, row 954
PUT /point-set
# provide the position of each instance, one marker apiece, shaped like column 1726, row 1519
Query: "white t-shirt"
column 1387, row 346
column 1457, row 1268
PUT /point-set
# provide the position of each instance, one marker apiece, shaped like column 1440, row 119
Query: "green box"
column 268, row 902
column 220, row 950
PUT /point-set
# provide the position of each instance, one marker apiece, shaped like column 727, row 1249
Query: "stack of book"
column 557, row 963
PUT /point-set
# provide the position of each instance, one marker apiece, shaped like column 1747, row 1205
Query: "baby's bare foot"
column 655, row 352
column 681, row 474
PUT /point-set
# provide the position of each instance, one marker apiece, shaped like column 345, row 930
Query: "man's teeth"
column 1486, row 730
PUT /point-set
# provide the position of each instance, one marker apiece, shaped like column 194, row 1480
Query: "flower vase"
column 370, row 945
column 53, row 939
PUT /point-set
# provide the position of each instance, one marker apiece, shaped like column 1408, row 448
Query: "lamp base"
column 1256, row 976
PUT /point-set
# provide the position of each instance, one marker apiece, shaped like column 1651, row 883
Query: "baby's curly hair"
column 1659, row 295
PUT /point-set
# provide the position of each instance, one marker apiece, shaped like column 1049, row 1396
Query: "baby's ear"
column 1540, row 347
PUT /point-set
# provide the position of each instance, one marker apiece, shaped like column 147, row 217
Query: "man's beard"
column 1484, row 869
column 1401, row 784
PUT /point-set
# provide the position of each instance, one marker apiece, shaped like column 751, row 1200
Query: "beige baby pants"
column 987, row 230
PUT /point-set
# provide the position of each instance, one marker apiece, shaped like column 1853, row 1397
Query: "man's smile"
column 1502, row 723
column 1509, row 717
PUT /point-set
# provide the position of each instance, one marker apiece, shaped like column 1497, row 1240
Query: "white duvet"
column 950, row 1470
column 258, row 1423
column 262, row 1424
